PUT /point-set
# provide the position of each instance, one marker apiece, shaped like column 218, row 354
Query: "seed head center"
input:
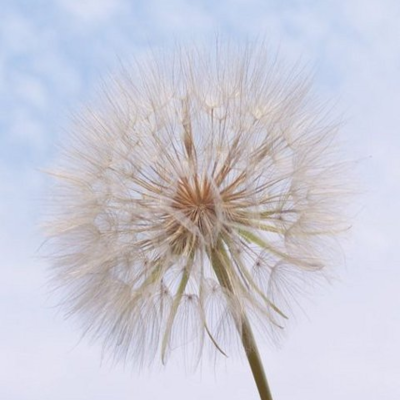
column 194, row 200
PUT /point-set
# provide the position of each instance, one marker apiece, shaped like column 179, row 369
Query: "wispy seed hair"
column 209, row 156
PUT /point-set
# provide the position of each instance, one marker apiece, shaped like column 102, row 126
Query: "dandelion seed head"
column 217, row 152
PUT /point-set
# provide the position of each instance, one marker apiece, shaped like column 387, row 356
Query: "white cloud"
column 27, row 130
column 372, row 16
column 18, row 34
column 179, row 15
column 30, row 89
column 93, row 11
column 59, row 72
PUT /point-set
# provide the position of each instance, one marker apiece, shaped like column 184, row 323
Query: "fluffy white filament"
column 205, row 149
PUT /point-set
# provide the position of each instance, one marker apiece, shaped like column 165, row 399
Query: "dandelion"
column 193, row 202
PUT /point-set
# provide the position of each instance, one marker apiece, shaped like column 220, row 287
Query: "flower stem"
column 220, row 263
column 253, row 356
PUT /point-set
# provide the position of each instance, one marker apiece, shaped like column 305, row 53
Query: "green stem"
column 220, row 263
column 255, row 362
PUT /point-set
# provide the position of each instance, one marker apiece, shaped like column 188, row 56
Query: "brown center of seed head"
column 195, row 219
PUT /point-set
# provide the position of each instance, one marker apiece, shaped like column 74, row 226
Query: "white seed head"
column 206, row 157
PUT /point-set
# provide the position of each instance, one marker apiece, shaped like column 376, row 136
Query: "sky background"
column 52, row 56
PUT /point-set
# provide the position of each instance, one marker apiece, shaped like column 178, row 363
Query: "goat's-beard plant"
column 193, row 200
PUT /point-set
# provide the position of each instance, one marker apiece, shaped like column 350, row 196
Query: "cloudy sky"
column 52, row 55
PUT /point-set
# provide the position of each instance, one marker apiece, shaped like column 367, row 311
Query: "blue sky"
column 52, row 56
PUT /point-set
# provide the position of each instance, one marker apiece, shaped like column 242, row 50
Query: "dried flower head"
column 201, row 194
